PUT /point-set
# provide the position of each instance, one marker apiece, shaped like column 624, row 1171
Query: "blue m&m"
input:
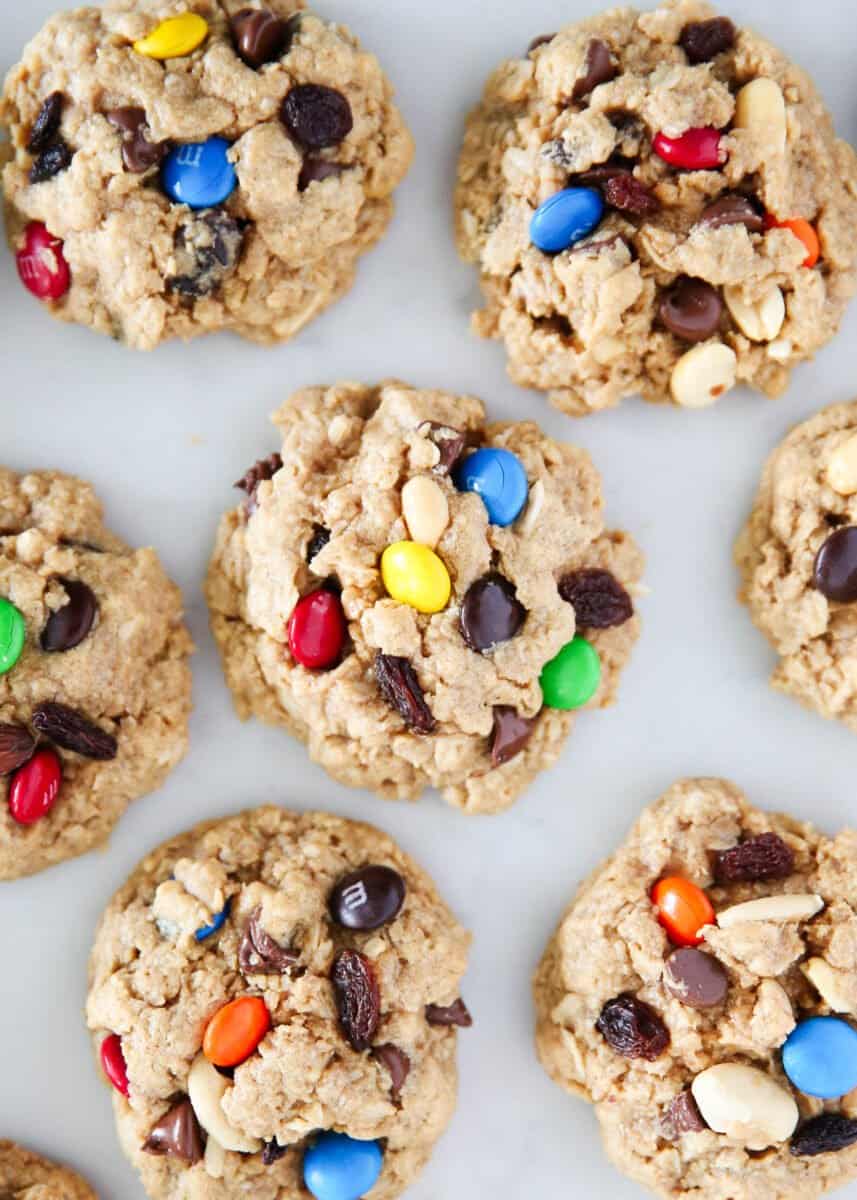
column 199, row 174
column 565, row 218
column 217, row 922
column 338, row 1167
column 498, row 476
column 820, row 1057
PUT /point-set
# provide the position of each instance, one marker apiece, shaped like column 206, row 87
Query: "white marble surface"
column 164, row 436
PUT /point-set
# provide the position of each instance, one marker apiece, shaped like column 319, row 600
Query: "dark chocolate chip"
column 50, row 162
column 450, row 443
column 703, row 40
column 599, row 175
column 358, row 998
column 315, row 170
column 138, row 153
column 733, row 209
column 207, row 248
column 695, row 978
column 398, row 684
column 72, row 731
column 69, row 625
column 491, row 613
column 543, row 39
column 397, row 1064
column 682, row 1116
column 177, row 1134
column 317, row 116
column 260, row 36
column 627, row 194
column 265, row 468
column 824, row 1134
column 272, row 1152
column 510, row 734
column 17, row 746
column 446, row 1015
column 368, row 898
column 765, row 856
column 318, row 541
column 260, row 954
column 632, row 1028
column 835, row 570
column 46, row 124
column 599, row 68
column 598, row 598
column 691, row 309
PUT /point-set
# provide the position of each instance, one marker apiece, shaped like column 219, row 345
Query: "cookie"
column 275, row 999
column 94, row 677
column 657, row 204
column 798, row 560
column 699, row 993
column 185, row 166
column 423, row 598
column 25, row 1174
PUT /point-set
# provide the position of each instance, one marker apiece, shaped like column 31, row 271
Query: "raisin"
column 824, row 1134
column 318, row 541
column 272, row 1152
column 598, row 598
column 357, row 998
column 17, row 746
column 703, row 40
column 73, row 731
column 627, row 194
column 398, row 684
column 249, row 482
column 397, row 1063
column 317, row 116
column 764, row 857
column 456, row 1014
column 50, row 162
column 632, row 1028
column 207, row 248
column 598, row 176
column 46, row 124
column 260, row 954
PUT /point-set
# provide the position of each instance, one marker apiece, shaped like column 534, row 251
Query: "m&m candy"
column 35, row 787
column 317, row 630
column 820, row 1057
column 571, row 679
column 413, row 574
column 41, row 263
column 174, row 38
column 498, row 476
column 215, row 924
column 566, row 218
column 696, row 150
column 683, row 909
column 13, row 633
column 339, row 1167
column 199, row 174
column 235, row 1030
column 113, row 1062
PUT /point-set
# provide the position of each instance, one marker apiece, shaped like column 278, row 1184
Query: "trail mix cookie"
column 424, row 599
column 183, row 166
column 25, row 1174
column 657, row 204
column 701, row 992
column 94, row 676
column 798, row 560
column 275, row 1000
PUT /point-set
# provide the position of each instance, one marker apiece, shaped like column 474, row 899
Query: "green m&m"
column 571, row 679
column 13, row 633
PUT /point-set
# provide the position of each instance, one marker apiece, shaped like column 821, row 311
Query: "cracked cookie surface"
column 309, row 198
column 97, row 702
column 604, row 105
column 164, row 965
column 608, row 978
column 450, row 698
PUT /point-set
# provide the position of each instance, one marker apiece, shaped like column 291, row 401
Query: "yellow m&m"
column 413, row 574
column 175, row 37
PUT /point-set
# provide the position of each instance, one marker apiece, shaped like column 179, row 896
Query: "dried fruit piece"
column 627, row 194
column 765, row 856
column 317, row 116
column 207, row 248
column 358, row 998
column 450, row 442
column 682, row 1116
column 73, row 731
column 510, row 734
column 632, row 1028
column 318, row 541
column 456, row 1014
column 599, row 68
column 260, row 954
column 177, row 1134
column 264, row 469
column 50, row 162
column 598, row 598
column 703, row 40
column 398, row 684
column 397, row 1063
column 17, row 746
column 46, row 124
column 824, row 1134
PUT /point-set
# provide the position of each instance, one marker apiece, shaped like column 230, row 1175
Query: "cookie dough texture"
column 28, row 1176
column 158, row 989
column 347, row 453
column 130, row 676
column 122, row 235
column 609, row 942
column 582, row 325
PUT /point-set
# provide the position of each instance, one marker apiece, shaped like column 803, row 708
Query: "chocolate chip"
column 318, row 541
column 272, row 1152
column 599, row 175
column 835, row 570
column 397, row 1063
column 691, row 309
column 17, row 746
column 491, row 613
column 632, row 1028
column 138, row 153
column 358, row 998
column 317, row 116
column 598, row 598
column 626, row 193
column 73, row 731
column 265, row 468
column 682, row 1116
column 703, row 40
column 315, row 170
column 733, row 209
column 510, row 734
column 46, row 124
column 177, row 1134
column 260, row 954
column 824, row 1134
column 50, row 162
column 444, row 1016
column 599, row 68
column 69, row 625
column 765, row 856
column 260, row 36
column 207, row 248
column 543, row 39
column 397, row 681
column 367, row 898
column 695, row 978
column 450, row 442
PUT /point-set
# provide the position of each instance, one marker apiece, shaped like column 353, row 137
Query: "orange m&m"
column 804, row 232
column 235, row 1031
column 683, row 909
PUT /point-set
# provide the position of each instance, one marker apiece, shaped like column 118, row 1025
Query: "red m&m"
column 113, row 1062
column 317, row 630
column 683, row 909
column 41, row 263
column 34, row 788
column 696, row 150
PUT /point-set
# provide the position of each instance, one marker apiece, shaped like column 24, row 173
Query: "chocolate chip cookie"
column 701, row 993
column 657, row 204
column 423, row 598
column 275, row 1000
column 25, row 1174
column 798, row 560
column 94, row 676
column 179, row 168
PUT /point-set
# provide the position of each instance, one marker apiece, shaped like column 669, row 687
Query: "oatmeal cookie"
column 25, row 1174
